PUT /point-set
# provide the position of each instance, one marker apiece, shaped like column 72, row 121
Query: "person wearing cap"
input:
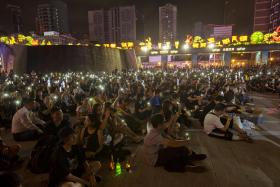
column 57, row 122
column 68, row 164
column 24, row 123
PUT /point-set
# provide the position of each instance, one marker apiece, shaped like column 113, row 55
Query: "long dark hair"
column 94, row 120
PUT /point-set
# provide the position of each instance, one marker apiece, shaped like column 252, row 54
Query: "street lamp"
column 186, row 46
column 211, row 46
column 144, row 49
column 165, row 47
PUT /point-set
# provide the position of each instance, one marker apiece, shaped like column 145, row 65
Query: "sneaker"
column 192, row 165
column 197, row 157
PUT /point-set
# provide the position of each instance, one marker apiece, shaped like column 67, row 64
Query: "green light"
column 118, row 169
column 257, row 37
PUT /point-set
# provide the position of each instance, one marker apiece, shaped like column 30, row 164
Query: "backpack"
column 41, row 154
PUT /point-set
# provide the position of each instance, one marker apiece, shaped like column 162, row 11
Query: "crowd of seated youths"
column 87, row 116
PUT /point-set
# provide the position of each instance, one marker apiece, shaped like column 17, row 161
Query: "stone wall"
column 71, row 58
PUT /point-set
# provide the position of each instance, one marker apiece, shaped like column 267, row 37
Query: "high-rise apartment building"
column 96, row 25
column 140, row 26
column 262, row 14
column 167, row 23
column 198, row 29
column 52, row 16
column 275, row 15
column 127, row 16
column 15, row 18
column 112, row 26
column 10, row 19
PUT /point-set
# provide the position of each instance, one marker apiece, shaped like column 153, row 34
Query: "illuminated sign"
column 163, row 52
column 173, row 51
column 51, row 33
column 154, row 52
column 216, row 50
column 241, row 49
column 228, row 49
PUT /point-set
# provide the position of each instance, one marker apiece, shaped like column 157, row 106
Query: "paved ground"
column 228, row 164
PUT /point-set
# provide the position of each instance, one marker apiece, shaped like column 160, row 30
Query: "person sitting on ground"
column 135, row 124
column 67, row 102
column 214, row 127
column 173, row 155
column 10, row 179
column 8, row 155
column 156, row 102
column 25, row 126
column 57, row 122
column 92, row 139
column 69, row 164
column 210, row 107
column 117, row 126
column 83, row 109
column 142, row 108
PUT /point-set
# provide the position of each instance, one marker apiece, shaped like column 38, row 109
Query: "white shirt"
column 212, row 122
column 152, row 144
column 24, row 120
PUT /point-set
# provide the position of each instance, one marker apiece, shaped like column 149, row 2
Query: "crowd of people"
column 83, row 120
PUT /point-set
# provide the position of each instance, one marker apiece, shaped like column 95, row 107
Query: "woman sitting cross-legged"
column 69, row 165
column 92, row 139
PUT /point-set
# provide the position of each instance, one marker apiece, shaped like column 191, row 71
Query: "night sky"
column 239, row 12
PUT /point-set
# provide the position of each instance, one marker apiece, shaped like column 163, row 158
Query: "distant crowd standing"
column 83, row 120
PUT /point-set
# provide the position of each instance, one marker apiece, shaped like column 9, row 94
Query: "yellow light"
column 159, row 45
column 130, row 44
column 203, row 45
column 113, row 45
column 271, row 59
column 124, row 45
column 177, row 43
column 234, row 39
column 195, row 45
column 243, row 38
column 167, row 44
column 144, row 49
column 233, row 60
column 43, row 42
column 211, row 40
column 35, row 42
column 226, row 41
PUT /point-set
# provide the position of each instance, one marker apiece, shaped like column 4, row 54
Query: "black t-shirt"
column 140, row 104
column 229, row 96
column 63, row 163
column 52, row 129
column 91, row 142
column 208, row 108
